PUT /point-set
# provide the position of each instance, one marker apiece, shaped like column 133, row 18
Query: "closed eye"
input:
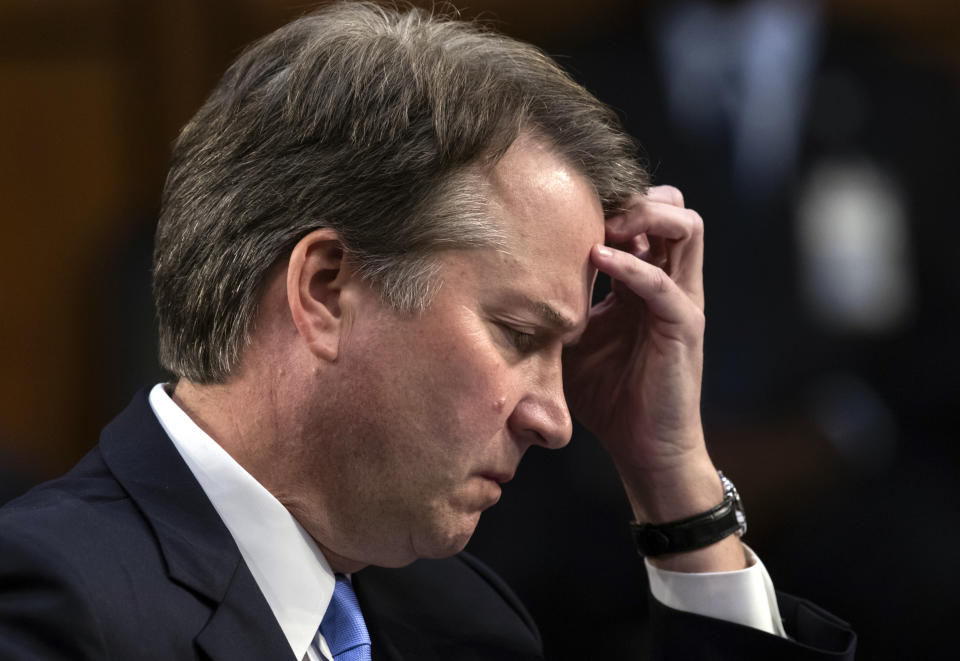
column 522, row 341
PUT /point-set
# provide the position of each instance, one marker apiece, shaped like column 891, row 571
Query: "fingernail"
column 604, row 251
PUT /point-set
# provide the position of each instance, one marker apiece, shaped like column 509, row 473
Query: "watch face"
column 742, row 520
column 731, row 491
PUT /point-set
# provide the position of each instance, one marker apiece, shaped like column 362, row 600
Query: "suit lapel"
column 199, row 551
column 444, row 610
column 240, row 628
column 392, row 637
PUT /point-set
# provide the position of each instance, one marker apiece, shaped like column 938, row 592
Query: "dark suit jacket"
column 125, row 558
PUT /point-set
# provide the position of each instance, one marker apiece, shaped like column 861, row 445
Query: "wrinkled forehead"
column 534, row 190
column 541, row 202
column 550, row 216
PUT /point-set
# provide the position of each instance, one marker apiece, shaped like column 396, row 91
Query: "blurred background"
column 819, row 141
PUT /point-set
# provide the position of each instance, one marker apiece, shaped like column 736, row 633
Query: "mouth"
column 500, row 477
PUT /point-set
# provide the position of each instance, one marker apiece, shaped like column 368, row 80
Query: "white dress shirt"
column 745, row 596
column 297, row 581
column 289, row 569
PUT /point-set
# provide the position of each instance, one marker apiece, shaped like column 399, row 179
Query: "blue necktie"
column 343, row 627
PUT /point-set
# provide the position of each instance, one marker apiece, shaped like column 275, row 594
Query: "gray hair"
column 377, row 123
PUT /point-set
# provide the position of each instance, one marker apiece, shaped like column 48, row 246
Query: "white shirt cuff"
column 745, row 596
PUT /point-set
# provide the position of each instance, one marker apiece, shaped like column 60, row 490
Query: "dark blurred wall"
column 93, row 93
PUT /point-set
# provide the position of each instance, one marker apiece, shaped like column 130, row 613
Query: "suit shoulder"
column 88, row 482
column 84, row 504
column 82, row 575
column 45, row 609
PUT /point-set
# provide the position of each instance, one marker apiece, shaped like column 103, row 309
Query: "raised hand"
column 634, row 377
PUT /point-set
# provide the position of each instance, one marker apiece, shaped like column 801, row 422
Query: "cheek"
column 459, row 387
column 443, row 384
column 472, row 380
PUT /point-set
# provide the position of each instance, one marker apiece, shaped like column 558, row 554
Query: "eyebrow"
column 548, row 315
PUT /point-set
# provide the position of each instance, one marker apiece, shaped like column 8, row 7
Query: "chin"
column 447, row 541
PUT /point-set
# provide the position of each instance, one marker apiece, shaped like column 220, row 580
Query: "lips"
column 500, row 477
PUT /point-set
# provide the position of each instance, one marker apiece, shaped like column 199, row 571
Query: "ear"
column 315, row 278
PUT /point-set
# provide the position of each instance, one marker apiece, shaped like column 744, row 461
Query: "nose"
column 541, row 417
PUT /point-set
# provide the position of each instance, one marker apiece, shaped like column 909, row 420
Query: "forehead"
column 550, row 217
column 534, row 191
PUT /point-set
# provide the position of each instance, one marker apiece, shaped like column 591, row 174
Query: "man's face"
column 436, row 410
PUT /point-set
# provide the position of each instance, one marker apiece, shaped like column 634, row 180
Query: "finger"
column 662, row 194
column 665, row 194
column 640, row 246
column 656, row 218
column 664, row 297
column 674, row 236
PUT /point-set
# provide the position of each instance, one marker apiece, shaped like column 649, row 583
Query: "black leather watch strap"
column 688, row 534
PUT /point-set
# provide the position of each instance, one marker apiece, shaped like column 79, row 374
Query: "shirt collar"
column 289, row 569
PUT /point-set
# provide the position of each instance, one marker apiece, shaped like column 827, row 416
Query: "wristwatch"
column 693, row 532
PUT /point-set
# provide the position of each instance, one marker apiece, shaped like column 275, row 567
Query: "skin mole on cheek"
column 500, row 403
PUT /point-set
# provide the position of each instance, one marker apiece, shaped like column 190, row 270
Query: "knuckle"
column 695, row 223
column 698, row 321
column 694, row 325
column 676, row 197
column 661, row 281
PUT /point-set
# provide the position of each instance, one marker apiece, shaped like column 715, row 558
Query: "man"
column 373, row 275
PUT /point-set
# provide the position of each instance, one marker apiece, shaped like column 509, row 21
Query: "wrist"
column 688, row 520
column 728, row 554
column 686, row 489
